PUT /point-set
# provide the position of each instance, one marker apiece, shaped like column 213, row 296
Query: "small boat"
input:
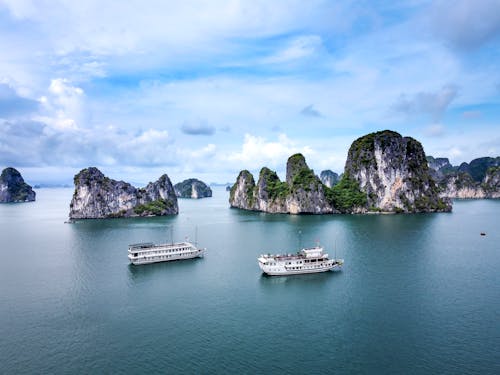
column 311, row 260
column 483, row 234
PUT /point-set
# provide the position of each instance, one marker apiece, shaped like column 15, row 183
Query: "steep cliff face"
column 97, row 196
column 302, row 192
column 392, row 171
column 439, row 167
column 491, row 182
column 477, row 168
column 13, row 188
column 241, row 195
column 474, row 180
column 461, row 185
column 329, row 178
column 192, row 188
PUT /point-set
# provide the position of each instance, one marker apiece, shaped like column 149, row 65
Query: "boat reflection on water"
column 313, row 278
column 152, row 270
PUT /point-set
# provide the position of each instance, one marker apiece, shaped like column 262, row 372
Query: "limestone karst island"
column 13, row 188
column 97, row 196
column 192, row 188
column 384, row 172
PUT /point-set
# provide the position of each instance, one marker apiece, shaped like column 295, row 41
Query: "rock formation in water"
column 392, row 171
column 329, row 178
column 13, row 188
column 97, row 196
column 302, row 192
column 192, row 188
column 461, row 185
column 384, row 172
column 474, row 180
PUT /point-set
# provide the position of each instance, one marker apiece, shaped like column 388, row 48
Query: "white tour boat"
column 144, row 253
column 309, row 260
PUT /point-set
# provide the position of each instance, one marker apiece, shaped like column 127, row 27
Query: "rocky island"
column 329, row 178
column 478, row 179
column 302, row 192
column 13, row 188
column 97, row 196
column 384, row 172
column 192, row 188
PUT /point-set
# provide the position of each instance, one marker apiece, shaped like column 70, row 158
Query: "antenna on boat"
column 300, row 239
column 172, row 234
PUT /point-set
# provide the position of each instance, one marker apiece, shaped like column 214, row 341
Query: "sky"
column 205, row 89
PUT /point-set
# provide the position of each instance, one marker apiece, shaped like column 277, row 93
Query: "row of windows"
column 169, row 250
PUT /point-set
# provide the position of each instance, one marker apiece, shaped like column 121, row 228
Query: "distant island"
column 13, row 188
column 478, row 179
column 97, row 196
column 329, row 178
column 384, row 172
column 192, row 188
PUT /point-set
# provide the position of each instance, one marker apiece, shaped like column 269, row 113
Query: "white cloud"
column 257, row 152
column 63, row 107
column 299, row 48
column 466, row 24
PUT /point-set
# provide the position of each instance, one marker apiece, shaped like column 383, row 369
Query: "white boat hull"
column 161, row 258
column 284, row 271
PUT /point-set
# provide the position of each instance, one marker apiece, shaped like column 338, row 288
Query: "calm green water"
column 418, row 294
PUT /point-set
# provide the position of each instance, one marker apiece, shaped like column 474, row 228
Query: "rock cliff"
column 384, row 172
column 97, row 196
column 474, row 180
column 13, row 188
column 329, row 178
column 192, row 188
column 393, row 173
column 461, row 185
column 302, row 192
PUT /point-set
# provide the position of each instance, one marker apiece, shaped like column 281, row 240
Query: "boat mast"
column 300, row 239
column 196, row 235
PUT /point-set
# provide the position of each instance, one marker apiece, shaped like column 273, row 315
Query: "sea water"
column 419, row 294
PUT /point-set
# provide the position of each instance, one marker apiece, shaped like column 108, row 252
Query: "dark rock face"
column 329, row 178
column 477, row 168
column 192, row 188
column 97, row 196
column 392, row 170
column 439, row 167
column 13, row 188
column 461, row 185
column 302, row 192
column 384, row 172
column 474, row 180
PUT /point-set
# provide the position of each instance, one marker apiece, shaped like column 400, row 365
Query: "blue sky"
column 207, row 88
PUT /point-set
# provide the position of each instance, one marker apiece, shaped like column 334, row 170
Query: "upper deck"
column 148, row 247
column 309, row 253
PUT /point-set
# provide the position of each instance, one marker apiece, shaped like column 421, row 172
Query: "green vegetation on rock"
column 153, row 208
column 275, row 188
column 346, row 195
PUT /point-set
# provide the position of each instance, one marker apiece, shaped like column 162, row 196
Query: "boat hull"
column 173, row 257
column 282, row 271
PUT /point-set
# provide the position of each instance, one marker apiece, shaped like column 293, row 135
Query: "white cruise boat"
column 145, row 253
column 309, row 260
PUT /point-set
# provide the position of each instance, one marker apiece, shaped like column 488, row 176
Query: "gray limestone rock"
column 192, row 188
column 13, row 188
column 97, row 196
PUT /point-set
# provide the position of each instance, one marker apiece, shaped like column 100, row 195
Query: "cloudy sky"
column 207, row 88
